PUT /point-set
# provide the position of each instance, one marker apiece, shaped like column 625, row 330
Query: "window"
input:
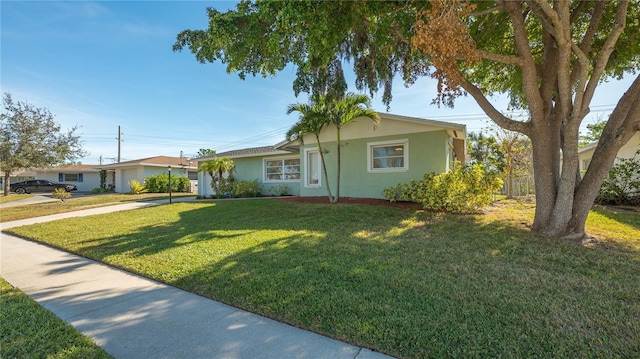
column 70, row 177
column 388, row 156
column 313, row 170
column 286, row 169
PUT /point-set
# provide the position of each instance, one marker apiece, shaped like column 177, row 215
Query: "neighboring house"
column 374, row 157
column 627, row 151
column 119, row 174
column 17, row 176
column 85, row 177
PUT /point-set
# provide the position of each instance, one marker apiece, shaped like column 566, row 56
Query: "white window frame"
column 264, row 169
column 307, row 151
column 399, row 142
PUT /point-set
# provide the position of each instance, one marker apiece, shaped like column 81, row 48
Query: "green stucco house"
column 374, row 156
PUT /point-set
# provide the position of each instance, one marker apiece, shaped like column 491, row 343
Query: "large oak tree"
column 32, row 138
column 547, row 56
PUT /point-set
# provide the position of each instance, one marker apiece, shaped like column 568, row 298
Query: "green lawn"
column 75, row 203
column 408, row 283
column 30, row 331
column 13, row 197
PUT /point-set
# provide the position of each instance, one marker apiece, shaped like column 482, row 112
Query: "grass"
column 30, row 331
column 408, row 283
column 13, row 197
column 76, row 203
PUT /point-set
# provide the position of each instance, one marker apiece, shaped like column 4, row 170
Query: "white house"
column 85, row 177
column 120, row 174
column 627, row 151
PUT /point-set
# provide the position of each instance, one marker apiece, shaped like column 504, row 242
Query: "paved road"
column 134, row 317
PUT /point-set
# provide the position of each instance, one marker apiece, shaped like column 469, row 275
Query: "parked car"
column 40, row 186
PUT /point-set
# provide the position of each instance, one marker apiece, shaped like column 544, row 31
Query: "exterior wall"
column 627, row 151
column 584, row 158
column 432, row 147
column 252, row 168
column 204, row 184
column 90, row 180
column 124, row 175
column 427, row 152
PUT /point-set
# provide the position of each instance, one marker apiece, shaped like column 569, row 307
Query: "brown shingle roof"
column 68, row 168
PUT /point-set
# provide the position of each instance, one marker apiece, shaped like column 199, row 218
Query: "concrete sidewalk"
column 134, row 317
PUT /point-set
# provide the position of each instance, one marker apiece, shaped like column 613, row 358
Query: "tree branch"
column 529, row 72
column 485, row 12
column 547, row 15
column 495, row 115
column 504, row 59
column 608, row 47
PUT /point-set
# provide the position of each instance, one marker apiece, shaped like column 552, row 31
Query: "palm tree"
column 344, row 110
column 313, row 118
column 216, row 168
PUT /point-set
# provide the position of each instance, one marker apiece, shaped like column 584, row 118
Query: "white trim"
column 402, row 142
column 264, row 169
column 306, row 168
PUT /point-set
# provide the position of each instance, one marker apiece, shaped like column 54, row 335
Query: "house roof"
column 250, row 152
column 156, row 161
column 588, row 147
column 424, row 121
column 68, row 168
column 456, row 130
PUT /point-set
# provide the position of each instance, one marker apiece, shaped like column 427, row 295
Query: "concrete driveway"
column 41, row 198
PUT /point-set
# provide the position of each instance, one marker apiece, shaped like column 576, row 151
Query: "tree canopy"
column 548, row 57
column 32, row 138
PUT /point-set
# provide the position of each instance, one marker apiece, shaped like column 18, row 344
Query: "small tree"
column 61, row 194
column 516, row 153
column 216, row 168
column 594, row 131
column 31, row 138
column 313, row 118
column 206, row 152
column 485, row 150
column 343, row 110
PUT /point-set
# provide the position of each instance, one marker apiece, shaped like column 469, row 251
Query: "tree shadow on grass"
column 405, row 282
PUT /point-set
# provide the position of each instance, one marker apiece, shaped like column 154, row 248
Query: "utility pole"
column 119, row 142
column 100, row 160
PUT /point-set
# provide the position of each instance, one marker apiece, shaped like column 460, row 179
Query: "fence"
column 522, row 186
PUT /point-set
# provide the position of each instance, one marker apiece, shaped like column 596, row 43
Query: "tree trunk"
column 7, row 177
column 337, row 197
column 324, row 169
column 562, row 202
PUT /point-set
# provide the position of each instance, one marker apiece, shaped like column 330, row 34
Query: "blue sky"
column 99, row 65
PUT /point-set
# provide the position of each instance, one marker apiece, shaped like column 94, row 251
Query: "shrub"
column 246, row 188
column 101, row 190
column 136, row 187
column 160, row 183
column 622, row 186
column 226, row 187
column 463, row 189
column 61, row 194
column 280, row 190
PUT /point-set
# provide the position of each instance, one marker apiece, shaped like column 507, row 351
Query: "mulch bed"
column 352, row 200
